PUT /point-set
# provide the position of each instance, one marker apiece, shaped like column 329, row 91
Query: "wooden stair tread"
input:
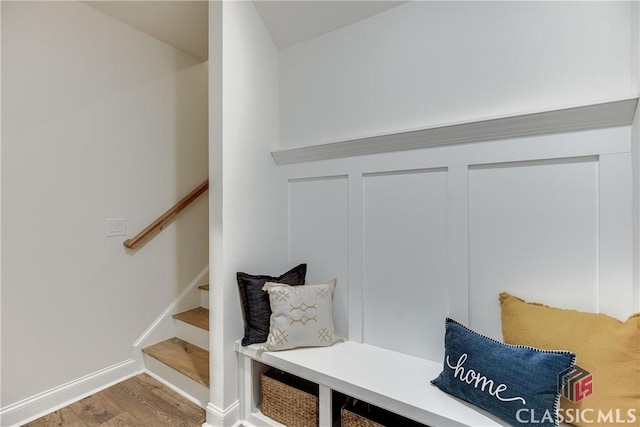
column 204, row 287
column 198, row 317
column 184, row 357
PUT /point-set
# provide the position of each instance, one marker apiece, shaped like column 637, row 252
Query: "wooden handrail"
column 166, row 217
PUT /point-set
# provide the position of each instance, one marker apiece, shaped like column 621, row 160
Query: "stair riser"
column 204, row 298
column 192, row 334
column 185, row 386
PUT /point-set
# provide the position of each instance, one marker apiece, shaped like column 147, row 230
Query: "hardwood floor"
column 138, row 401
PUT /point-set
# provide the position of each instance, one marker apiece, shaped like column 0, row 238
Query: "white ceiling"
column 184, row 23
column 291, row 22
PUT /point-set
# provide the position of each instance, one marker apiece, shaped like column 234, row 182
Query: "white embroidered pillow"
column 301, row 316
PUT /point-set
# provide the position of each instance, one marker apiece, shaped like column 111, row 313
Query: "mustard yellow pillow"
column 604, row 389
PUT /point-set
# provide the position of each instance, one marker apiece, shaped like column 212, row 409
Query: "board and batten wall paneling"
column 318, row 235
column 425, row 234
column 533, row 231
column 405, row 292
column 615, row 237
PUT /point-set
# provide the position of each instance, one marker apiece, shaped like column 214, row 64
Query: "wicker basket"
column 351, row 419
column 289, row 400
column 360, row 414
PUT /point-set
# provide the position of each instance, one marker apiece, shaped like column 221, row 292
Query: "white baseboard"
column 228, row 417
column 51, row 400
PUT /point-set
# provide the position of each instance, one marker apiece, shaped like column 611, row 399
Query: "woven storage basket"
column 351, row 419
column 289, row 400
column 360, row 414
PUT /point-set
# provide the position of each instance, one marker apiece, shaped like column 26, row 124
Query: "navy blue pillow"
column 515, row 383
column 256, row 309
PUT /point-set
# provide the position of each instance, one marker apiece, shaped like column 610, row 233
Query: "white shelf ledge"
column 618, row 112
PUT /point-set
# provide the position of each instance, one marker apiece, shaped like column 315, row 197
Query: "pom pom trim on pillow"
column 607, row 377
column 505, row 380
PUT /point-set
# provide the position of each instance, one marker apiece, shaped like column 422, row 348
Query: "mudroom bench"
column 394, row 381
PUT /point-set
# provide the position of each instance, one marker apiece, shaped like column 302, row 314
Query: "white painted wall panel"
column 405, row 261
column 318, row 227
column 615, row 238
column 441, row 232
column 533, row 231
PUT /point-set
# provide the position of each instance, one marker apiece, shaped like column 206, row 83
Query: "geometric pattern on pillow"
column 302, row 316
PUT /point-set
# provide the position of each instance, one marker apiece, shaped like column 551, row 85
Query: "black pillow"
column 255, row 302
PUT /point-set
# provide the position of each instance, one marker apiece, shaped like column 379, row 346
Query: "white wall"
column 454, row 226
column 635, row 147
column 248, row 215
column 429, row 63
column 0, row 198
column 99, row 121
column 418, row 236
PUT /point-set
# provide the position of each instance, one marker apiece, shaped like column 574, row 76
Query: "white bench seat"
column 394, row 381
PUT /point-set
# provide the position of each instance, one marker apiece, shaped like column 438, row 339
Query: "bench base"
column 394, row 381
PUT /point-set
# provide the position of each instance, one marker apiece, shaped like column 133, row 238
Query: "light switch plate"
column 116, row 227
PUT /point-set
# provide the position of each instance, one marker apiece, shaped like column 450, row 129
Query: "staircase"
column 182, row 362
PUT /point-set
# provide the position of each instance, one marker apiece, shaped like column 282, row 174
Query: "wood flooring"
column 136, row 402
